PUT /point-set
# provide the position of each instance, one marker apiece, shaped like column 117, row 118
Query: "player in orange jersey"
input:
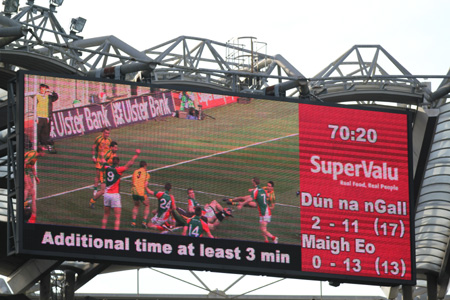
column 138, row 190
column 30, row 159
column 99, row 149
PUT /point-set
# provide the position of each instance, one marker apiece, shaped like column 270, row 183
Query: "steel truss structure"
column 33, row 39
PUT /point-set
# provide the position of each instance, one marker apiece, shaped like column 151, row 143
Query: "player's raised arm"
column 131, row 162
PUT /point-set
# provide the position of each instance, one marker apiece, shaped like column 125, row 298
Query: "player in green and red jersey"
column 30, row 159
column 213, row 212
column 108, row 158
column 99, row 149
column 112, row 198
column 259, row 195
column 166, row 204
column 196, row 226
column 139, row 187
column 269, row 188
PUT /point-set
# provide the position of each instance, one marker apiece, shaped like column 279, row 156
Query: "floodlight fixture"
column 77, row 25
column 11, row 6
column 56, row 2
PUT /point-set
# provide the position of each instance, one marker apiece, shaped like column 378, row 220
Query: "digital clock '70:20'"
column 359, row 134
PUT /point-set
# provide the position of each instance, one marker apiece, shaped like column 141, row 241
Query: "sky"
column 309, row 34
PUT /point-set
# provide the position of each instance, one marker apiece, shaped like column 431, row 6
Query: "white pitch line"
column 206, row 193
column 177, row 164
column 220, row 153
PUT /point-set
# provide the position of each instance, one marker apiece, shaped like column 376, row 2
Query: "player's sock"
column 231, row 202
column 95, row 190
column 32, row 219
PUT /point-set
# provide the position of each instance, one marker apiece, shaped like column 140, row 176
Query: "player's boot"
column 32, row 219
column 144, row 225
column 275, row 240
column 51, row 149
column 166, row 227
column 92, row 203
column 133, row 224
column 228, row 201
column 228, row 212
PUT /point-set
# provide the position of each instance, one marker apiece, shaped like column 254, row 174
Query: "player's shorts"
column 112, row 200
column 29, row 172
column 161, row 220
column 138, row 196
column 28, row 181
column 209, row 211
column 266, row 218
column 29, row 175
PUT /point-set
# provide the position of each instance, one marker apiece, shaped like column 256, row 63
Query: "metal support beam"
column 11, row 183
column 87, row 275
column 432, row 286
column 45, row 288
column 69, row 288
column 30, row 273
column 281, row 88
column 407, row 291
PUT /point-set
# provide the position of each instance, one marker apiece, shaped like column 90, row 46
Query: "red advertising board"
column 354, row 192
column 203, row 100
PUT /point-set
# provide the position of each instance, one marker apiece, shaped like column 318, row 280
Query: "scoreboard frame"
column 176, row 251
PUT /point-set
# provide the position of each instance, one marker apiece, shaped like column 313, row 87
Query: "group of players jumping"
column 196, row 221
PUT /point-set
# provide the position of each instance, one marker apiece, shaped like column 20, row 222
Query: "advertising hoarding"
column 354, row 192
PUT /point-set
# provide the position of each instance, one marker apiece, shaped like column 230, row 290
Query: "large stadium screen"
column 143, row 175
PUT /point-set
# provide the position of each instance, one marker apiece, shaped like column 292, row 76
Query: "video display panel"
column 285, row 188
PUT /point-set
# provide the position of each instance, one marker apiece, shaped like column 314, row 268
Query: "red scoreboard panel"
column 355, row 192
column 342, row 179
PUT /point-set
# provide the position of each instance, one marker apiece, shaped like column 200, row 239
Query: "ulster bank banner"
column 92, row 118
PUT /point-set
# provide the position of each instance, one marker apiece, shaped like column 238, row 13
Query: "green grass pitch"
column 217, row 157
